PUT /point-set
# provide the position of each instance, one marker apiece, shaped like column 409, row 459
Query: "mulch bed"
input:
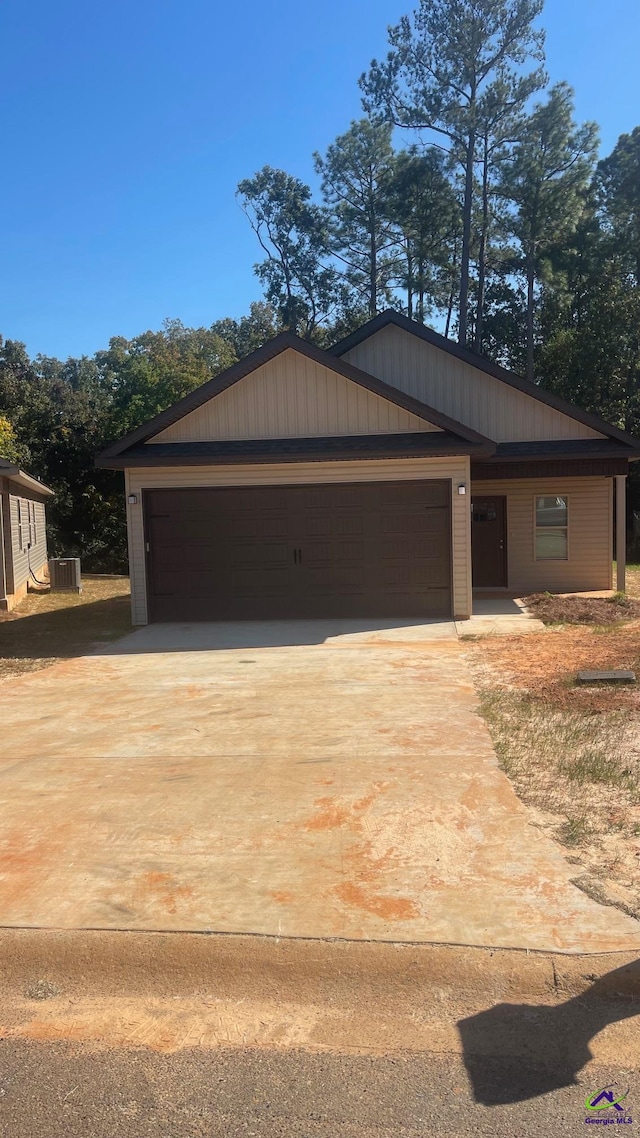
column 582, row 610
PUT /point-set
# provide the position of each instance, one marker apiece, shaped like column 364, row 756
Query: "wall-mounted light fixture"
column 132, row 499
column 462, row 488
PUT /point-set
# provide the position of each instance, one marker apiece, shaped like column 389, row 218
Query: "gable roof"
column 12, row 471
column 481, row 363
column 282, row 343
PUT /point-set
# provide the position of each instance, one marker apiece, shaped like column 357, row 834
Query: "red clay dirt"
column 545, row 665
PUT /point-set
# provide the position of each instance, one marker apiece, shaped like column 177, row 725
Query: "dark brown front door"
column 267, row 552
column 489, row 542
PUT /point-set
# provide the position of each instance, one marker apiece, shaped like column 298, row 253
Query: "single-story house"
column 23, row 533
column 392, row 475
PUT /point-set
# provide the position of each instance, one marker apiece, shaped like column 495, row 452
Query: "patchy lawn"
column 572, row 752
column 47, row 627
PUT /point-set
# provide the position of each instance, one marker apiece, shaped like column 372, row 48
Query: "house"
column 390, row 476
column 23, row 535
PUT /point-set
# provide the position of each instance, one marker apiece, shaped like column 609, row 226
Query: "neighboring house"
column 23, row 544
column 386, row 477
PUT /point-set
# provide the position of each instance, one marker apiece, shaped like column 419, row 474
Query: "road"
column 76, row 1091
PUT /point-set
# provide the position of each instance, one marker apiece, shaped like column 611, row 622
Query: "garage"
column 370, row 549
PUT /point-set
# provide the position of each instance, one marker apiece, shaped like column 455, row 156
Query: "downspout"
column 3, row 572
column 621, row 532
column 6, row 586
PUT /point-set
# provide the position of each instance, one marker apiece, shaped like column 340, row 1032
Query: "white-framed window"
column 551, row 521
column 34, row 516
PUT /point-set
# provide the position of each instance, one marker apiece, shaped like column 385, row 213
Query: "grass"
column 576, row 831
column 594, row 766
column 559, row 759
column 579, row 772
column 48, row 627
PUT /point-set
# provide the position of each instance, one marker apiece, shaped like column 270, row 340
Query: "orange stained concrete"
column 306, row 780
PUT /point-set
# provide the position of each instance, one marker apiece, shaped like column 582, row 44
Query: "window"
column 20, row 536
column 34, row 538
column 552, row 529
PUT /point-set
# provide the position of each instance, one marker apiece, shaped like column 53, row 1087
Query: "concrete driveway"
column 310, row 780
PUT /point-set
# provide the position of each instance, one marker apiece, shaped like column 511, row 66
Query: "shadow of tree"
column 66, row 631
column 546, row 1046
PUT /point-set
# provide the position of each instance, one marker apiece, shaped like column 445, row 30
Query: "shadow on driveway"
column 229, row 635
column 547, row 1045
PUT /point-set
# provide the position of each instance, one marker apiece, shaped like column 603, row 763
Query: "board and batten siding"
column 292, row 396
column 589, row 566
column 456, row 388
column 18, row 571
column 456, row 469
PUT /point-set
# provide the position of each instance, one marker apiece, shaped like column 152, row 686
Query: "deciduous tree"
column 303, row 287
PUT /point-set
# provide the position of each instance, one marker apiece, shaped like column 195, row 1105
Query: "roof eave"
column 21, row 478
column 153, row 460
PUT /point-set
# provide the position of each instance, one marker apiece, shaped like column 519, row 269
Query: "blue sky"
column 126, row 126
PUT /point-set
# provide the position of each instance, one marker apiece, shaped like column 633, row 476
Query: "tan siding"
column 37, row 555
column 590, row 534
column 292, row 397
column 455, row 469
column 461, row 391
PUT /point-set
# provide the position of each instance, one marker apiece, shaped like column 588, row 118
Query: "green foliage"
column 546, row 180
column 356, row 172
column 456, row 69
column 304, row 289
column 10, row 448
column 426, row 211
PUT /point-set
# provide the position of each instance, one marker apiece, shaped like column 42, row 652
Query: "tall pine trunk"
column 452, row 293
column 466, row 239
column 409, row 282
column 531, row 297
column 373, row 274
column 482, row 257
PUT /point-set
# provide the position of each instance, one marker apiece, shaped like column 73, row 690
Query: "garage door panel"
column 353, row 549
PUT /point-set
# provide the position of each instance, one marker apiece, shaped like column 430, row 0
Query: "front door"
column 489, row 542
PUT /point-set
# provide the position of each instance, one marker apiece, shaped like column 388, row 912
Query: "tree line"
column 467, row 196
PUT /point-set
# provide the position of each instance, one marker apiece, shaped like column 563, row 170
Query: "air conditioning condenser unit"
column 64, row 574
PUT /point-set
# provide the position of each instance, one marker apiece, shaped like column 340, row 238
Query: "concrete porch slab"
column 314, row 782
column 499, row 616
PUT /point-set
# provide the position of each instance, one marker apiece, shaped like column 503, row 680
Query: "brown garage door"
column 365, row 549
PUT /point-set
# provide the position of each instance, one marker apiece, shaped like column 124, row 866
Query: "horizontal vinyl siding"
column 454, row 469
column 590, row 534
column 37, row 555
column 471, row 396
column 292, row 397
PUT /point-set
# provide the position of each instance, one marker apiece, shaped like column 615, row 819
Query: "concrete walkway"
column 499, row 616
column 326, row 779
